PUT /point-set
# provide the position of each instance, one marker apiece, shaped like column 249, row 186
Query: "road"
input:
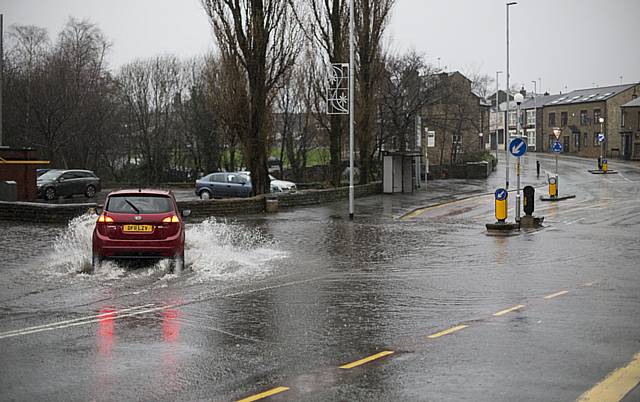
column 411, row 301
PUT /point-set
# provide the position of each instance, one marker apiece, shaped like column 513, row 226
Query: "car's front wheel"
column 205, row 195
column 90, row 192
column 49, row 193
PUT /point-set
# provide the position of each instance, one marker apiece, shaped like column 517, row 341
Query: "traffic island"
column 502, row 228
column 556, row 197
column 599, row 171
column 530, row 221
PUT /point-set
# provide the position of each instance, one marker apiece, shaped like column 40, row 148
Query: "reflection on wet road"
column 306, row 305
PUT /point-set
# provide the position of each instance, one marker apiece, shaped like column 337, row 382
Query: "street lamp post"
column 506, row 142
column 351, row 101
column 518, row 98
column 601, row 143
column 535, row 114
column 497, row 113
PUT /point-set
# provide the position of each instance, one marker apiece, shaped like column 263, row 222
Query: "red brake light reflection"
column 171, row 219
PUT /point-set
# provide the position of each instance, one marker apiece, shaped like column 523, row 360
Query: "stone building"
column 630, row 129
column 457, row 119
column 577, row 114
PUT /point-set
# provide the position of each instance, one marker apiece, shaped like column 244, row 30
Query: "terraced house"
column 584, row 113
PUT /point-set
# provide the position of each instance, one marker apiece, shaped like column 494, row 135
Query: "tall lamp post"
column 601, row 143
column 535, row 113
column 506, row 141
column 518, row 98
column 351, row 101
column 497, row 113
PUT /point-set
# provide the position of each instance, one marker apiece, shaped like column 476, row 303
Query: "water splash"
column 214, row 250
column 222, row 250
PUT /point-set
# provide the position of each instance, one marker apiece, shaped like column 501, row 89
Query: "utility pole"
column 351, row 100
column 506, row 125
column 497, row 113
column 1, row 72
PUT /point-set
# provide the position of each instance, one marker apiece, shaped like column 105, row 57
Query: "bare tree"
column 264, row 38
column 405, row 91
column 325, row 23
column 151, row 89
column 296, row 117
column 372, row 17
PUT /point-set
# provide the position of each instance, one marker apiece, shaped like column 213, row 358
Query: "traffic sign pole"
column 518, row 147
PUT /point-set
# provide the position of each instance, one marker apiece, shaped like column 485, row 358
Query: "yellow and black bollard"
column 553, row 186
column 605, row 165
column 501, row 204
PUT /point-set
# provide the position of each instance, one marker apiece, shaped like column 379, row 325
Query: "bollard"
column 605, row 165
column 537, row 168
column 553, row 186
column 529, row 194
column 599, row 163
column 501, row 204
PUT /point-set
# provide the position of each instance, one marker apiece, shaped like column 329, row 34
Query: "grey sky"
column 566, row 43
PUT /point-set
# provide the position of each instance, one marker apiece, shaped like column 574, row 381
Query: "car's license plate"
column 137, row 228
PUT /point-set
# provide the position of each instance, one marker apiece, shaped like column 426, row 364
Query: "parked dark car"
column 66, row 183
column 139, row 224
column 223, row 185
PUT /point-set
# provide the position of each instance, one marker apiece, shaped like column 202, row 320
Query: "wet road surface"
column 291, row 303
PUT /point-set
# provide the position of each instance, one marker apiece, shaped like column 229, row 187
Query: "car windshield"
column 139, row 204
column 50, row 175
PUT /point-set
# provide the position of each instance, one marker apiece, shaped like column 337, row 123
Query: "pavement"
column 410, row 301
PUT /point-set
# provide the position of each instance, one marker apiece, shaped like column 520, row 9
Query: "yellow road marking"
column 366, row 360
column 447, row 331
column 616, row 385
column 503, row 312
column 264, row 394
column 560, row 293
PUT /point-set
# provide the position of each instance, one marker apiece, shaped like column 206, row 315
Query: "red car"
column 140, row 224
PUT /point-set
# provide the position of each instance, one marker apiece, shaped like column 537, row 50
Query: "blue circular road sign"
column 557, row 147
column 501, row 194
column 518, row 147
column 600, row 137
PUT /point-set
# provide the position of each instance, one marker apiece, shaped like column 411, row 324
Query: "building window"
column 564, row 119
column 512, row 118
column 552, row 139
column 531, row 137
column 552, row 119
column 531, row 117
column 577, row 140
column 638, row 120
column 512, row 133
column 585, row 139
column 596, row 116
column 622, row 119
column 584, row 118
column 595, row 139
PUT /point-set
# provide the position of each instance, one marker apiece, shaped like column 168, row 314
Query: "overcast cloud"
column 566, row 43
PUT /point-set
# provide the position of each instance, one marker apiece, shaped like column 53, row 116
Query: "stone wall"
column 200, row 209
column 470, row 170
column 41, row 212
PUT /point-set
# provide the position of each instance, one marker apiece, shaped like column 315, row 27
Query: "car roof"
column 142, row 191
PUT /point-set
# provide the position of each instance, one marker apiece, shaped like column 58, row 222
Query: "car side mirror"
column 185, row 213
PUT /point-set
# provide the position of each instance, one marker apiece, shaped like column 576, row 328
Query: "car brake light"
column 171, row 219
column 105, row 219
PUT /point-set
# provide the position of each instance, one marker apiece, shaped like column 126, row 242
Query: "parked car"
column 66, row 183
column 277, row 186
column 40, row 172
column 222, row 185
column 236, row 184
column 140, row 224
